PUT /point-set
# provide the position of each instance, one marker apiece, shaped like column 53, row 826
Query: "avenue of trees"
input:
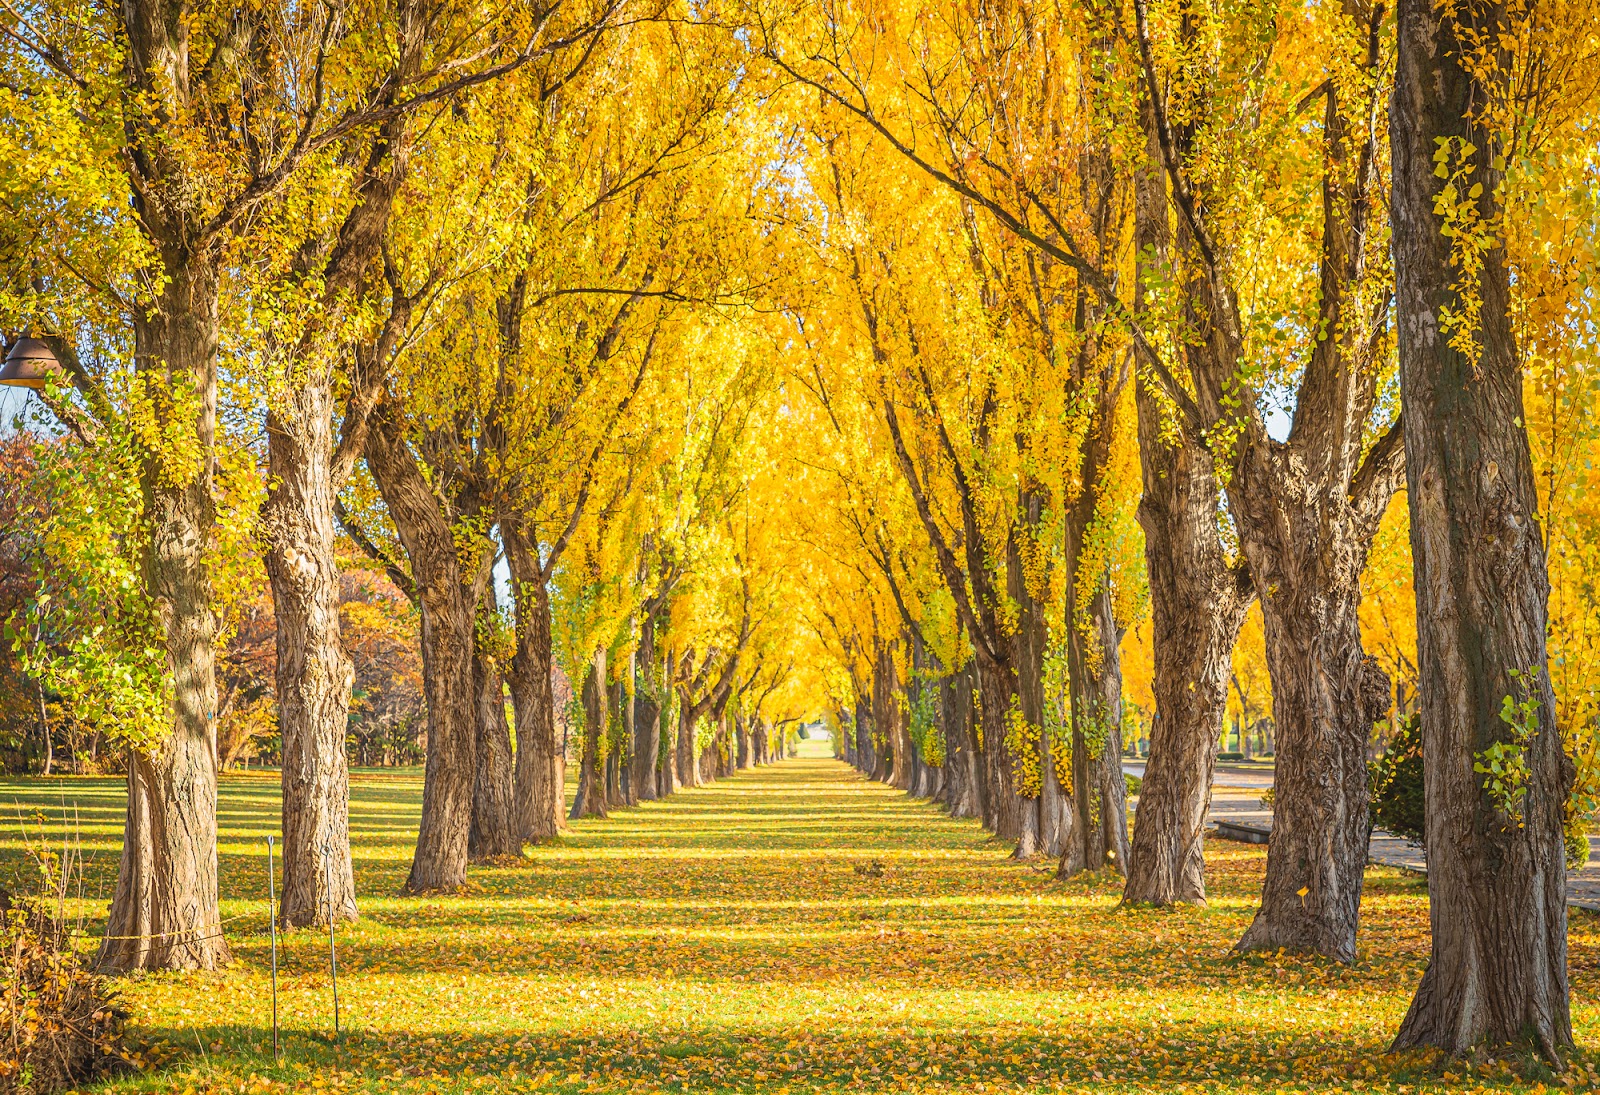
column 1000, row 383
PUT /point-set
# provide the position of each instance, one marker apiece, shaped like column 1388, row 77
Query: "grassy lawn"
column 723, row 941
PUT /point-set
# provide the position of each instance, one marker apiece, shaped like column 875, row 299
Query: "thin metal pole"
column 272, row 920
column 333, row 954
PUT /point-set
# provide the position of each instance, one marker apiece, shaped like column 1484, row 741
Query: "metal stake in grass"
column 333, row 955
column 272, row 921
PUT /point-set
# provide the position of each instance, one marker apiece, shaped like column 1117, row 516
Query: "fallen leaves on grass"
column 713, row 943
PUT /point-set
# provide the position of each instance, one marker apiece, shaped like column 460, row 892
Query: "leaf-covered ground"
column 724, row 941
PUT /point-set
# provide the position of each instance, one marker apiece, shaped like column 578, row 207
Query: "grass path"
column 724, row 940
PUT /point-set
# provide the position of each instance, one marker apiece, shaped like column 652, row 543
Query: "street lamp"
column 29, row 364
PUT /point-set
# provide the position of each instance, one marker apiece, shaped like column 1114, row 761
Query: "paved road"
column 1228, row 775
column 1230, row 803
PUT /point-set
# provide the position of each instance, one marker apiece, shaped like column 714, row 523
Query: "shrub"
column 1133, row 782
column 1396, row 779
column 59, row 1023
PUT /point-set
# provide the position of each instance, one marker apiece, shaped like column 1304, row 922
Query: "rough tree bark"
column 646, row 710
column 1197, row 605
column 440, row 861
column 164, row 912
column 494, row 830
column 590, row 801
column 1496, row 873
column 1100, row 794
column 666, row 765
column 964, row 781
column 1305, row 508
column 741, row 731
column 313, row 673
column 540, row 766
column 866, row 759
column 889, row 718
column 1098, row 825
column 1044, row 809
column 620, row 737
column 313, row 676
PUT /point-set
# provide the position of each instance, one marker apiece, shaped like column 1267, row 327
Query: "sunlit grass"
column 723, row 941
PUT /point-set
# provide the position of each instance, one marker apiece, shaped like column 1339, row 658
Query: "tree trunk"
column 646, row 714
column 167, row 877
column 1197, row 605
column 1113, row 790
column 688, row 767
column 313, row 675
column 494, row 822
column 440, row 861
column 44, row 730
column 590, row 800
column 1325, row 697
column 1010, row 813
column 164, row 913
column 1099, row 791
column 866, row 752
column 1496, row 872
column 960, row 758
column 1044, row 804
column 540, row 762
column 618, row 738
column 889, row 715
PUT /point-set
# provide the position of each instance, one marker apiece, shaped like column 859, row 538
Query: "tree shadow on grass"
column 1136, row 1049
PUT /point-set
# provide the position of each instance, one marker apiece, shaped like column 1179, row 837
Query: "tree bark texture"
column 314, row 675
column 963, row 766
column 440, row 861
column 164, row 912
column 888, row 713
column 687, row 760
column 619, row 735
column 590, row 800
column 1044, row 808
column 540, row 764
column 646, row 712
column 1305, row 507
column 1497, row 972
column 1099, row 791
column 1198, row 603
column 494, row 831
column 866, row 752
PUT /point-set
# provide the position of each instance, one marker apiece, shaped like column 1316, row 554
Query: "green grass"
column 723, row 941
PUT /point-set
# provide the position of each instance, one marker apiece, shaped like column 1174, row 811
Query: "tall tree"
column 1495, row 775
column 1329, row 480
column 207, row 116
